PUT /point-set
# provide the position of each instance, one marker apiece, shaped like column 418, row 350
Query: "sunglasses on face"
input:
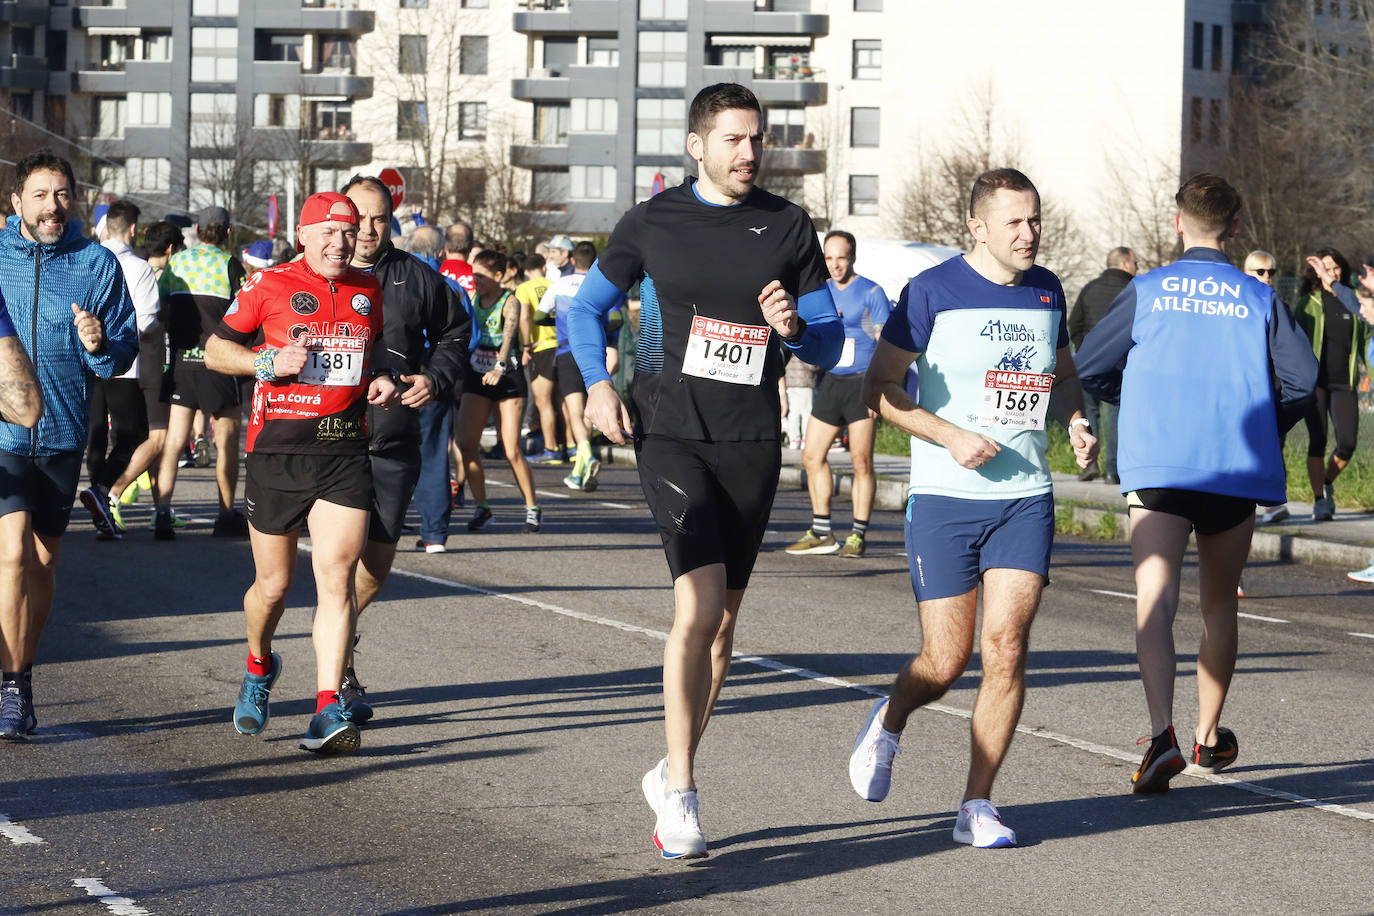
column 1266, row 271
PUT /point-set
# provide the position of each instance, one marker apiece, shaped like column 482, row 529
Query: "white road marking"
column 18, row 834
column 119, row 906
column 553, row 494
column 615, row 505
column 762, row 661
column 1260, row 617
column 1103, row 591
column 1364, row 635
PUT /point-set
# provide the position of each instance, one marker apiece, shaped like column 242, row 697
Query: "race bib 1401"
column 725, row 351
column 1015, row 399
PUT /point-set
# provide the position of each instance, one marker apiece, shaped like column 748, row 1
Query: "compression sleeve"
column 586, row 324
column 1294, row 365
column 822, row 340
column 1102, row 356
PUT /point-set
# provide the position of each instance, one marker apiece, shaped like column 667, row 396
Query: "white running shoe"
column 655, row 784
column 1274, row 515
column 979, row 824
column 1365, row 575
column 678, row 831
column 870, row 763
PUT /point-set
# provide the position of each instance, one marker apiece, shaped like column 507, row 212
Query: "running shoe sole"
column 823, row 549
column 589, row 482
column 1227, row 750
column 1156, row 777
column 344, row 738
column 679, row 856
column 100, row 515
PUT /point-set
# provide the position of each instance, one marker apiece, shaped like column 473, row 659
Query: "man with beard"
column 72, row 310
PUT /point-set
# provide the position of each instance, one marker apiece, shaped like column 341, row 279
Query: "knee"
column 272, row 590
column 1004, row 657
column 863, row 465
column 944, row 668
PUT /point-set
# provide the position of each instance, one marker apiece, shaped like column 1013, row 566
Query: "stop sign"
column 395, row 184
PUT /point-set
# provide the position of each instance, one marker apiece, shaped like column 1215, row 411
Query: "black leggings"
column 121, row 400
column 1344, row 408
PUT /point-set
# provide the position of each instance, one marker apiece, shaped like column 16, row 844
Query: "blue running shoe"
column 351, row 693
column 17, row 720
column 330, row 732
column 250, row 712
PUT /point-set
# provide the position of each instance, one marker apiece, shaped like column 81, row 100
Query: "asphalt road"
column 516, row 680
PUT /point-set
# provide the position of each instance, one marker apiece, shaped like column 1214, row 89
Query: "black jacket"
column 425, row 328
column 1093, row 301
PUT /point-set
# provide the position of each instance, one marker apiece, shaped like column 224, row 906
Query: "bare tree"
column 1139, row 206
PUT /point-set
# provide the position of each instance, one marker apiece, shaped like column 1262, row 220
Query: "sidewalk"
column 1347, row 542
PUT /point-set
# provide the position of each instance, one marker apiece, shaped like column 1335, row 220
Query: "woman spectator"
column 1338, row 341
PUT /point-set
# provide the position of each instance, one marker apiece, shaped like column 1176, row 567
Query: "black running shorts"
column 511, row 385
column 199, row 388
column 839, row 400
column 711, row 500
column 394, row 475
column 569, row 376
column 542, row 362
column 279, row 490
column 1210, row 513
column 44, row 486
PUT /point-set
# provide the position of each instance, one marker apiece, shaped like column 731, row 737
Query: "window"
column 212, row 119
column 551, row 124
column 863, row 126
column 327, row 179
column 472, row 54
column 55, row 41
column 1217, row 33
column 786, row 127
column 414, row 4
column 1198, row 31
column 470, row 187
column 109, row 117
column 560, row 53
column 644, row 179
column 863, row 195
column 21, row 104
column 603, row 52
column 475, row 4
column 148, row 174
column 155, row 46
column 413, row 54
column 113, row 51
column 150, row 109
column 591, row 182
column 215, row 8
column 338, row 55
column 411, row 120
column 662, row 9
column 268, row 46
column 333, row 120
column 1195, row 120
column 549, row 190
column 663, row 58
column 868, row 58
column 276, row 110
column 472, row 120
column 596, row 116
column 738, row 57
column 660, row 127
column 1214, row 122
column 214, row 55
column 868, row 6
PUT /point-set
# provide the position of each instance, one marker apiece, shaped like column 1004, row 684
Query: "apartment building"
column 184, row 102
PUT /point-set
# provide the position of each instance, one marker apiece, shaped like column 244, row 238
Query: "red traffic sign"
column 396, row 184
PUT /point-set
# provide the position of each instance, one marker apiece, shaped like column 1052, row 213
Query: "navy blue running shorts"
column 44, row 486
column 711, row 500
column 951, row 542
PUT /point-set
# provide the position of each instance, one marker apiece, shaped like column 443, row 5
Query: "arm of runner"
column 587, row 326
column 230, row 358
column 510, row 320
column 1294, row 365
column 822, row 335
column 1102, row 355
column 21, row 401
column 381, row 392
column 1068, row 407
column 885, row 392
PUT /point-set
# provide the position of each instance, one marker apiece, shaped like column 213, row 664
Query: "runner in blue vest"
column 1199, row 447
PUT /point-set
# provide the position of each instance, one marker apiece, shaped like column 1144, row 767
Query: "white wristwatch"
column 1084, row 421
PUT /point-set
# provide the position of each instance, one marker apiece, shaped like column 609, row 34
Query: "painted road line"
column 553, row 494
column 18, row 834
column 1103, row 591
column 1261, row 617
column 1091, row 747
column 615, row 505
column 1364, row 635
column 116, row 904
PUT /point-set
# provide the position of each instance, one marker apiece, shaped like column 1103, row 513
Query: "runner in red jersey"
column 307, row 449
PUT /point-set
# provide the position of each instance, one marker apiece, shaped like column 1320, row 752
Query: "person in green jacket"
column 1338, row 338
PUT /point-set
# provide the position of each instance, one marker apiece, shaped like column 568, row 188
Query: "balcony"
column 580, row 216
column 287, row 78
column 22, row 71
column 148, row 75
column 537, row 156
column 28, row 12
column 147, row 14
column 112, row 80
column 556, row 16
column 568, row 83
column 775, row 85
column 793, row 159
column 316, row 17
column 291, row 143
column 741, row 16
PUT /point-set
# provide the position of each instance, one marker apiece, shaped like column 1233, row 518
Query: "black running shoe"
column 1162, row 762
column 164, row 527
column 479, row 519
column 352, row 697
column 1219, row 756
column 231, row 525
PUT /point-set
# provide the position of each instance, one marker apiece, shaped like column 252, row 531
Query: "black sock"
column 11, row 677
column 820, row 525
column 861, row 527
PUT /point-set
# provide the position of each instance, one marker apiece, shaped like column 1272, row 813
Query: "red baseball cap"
column 325, row 207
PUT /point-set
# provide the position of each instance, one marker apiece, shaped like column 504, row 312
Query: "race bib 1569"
column 1015, row 399
column 725, row 351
